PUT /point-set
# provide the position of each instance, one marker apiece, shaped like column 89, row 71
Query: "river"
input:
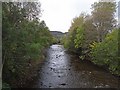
column 62, row 70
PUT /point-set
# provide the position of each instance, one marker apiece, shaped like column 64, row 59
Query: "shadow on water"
column 62, row 70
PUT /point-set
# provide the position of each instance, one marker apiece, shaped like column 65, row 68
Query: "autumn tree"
column 86, row 34
column 103, row 14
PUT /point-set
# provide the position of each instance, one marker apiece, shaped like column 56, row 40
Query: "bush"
column 106, row 52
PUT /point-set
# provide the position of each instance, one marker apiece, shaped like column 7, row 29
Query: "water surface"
column 62, row 70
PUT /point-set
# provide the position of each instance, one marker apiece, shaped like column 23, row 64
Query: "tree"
column 90, row 33
column 103, row 18
column 24, row 40
column 81, row 33
column 70, row 39
column 86, row 34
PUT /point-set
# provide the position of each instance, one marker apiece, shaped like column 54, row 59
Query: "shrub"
column 106, row 52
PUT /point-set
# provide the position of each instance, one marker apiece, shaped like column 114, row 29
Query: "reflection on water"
column 62, row 70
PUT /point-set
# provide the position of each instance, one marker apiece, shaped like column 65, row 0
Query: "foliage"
column 55, row 40
column 96, row 31
column 106, row 52
column 24, row 39
column 79, row 40
column 103, row 17
column 5, row 86
column 64, row 41
column 81, row 34
column 70, row 42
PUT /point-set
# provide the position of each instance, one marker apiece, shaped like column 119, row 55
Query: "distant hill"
column 57, row 34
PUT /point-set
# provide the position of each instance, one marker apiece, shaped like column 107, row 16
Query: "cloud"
column 58, row 14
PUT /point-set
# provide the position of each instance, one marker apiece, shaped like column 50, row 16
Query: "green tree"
column 70, row 38
column 24, row 39
column 106, row 52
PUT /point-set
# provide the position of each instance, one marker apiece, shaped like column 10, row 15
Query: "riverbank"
column 88, row 59
column 33, row 73
column 29, row 73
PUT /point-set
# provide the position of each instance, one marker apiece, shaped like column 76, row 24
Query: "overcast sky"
column 58, row 14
